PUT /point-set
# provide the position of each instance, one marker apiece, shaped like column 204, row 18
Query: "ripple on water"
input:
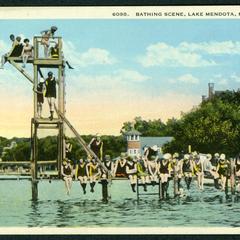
column 54, row 208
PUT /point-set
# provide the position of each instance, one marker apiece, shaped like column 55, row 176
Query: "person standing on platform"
column 27, row 52
column 41, row 87
column 46, row 35
column 67, row 174
column 93, row 173
column 51, row 92
column 81, row 174
column 96, row 145
column 131, row 170
column 120, row 166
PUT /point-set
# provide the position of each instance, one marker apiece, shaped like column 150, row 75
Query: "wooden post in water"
column 232, row 176
column 34, row 161
column 160, row 189
column 175, row 181
column 227, row 178
column 104, row 190
column 137, row 189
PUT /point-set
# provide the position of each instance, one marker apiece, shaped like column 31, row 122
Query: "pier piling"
column 175, row 182
column 34, row 189
column 232, row 176
column 104, row 183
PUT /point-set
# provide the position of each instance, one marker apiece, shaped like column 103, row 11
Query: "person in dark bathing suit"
column 120, row 166
column 109, row 165
column 67, row 174
column 222, row 170
column 164, row 167
column 40, row 96
column 131, row 170
column 187, row 169
column 96, row 146
column 51, row 92
column 81, row 174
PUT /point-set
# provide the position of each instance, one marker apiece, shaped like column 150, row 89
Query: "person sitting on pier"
column 177, row 166
column 41, row 87
column 67, row 173
column 131, row 170
column 214, row 162
column 51, row 92
column 164, row 172
column 54, row 53
column 93, row 172
column 27, row 52
column 237, row 165
column 81, row 174
column 109, row 165
column 120, row 166
column 222, row 170
column 187, row 169
column 153, row 169
column 142, row 171
column 46, row 35
column 198, row 168
column 96, row 145
column 15, row 51
column 237, row 169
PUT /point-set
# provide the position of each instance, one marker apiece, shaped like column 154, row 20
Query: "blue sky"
column 127, row 68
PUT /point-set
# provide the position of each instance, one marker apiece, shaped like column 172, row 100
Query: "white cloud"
column 222, row 81
column 187, row 54
column 186, row 78
column 130, row 75
column 162, row 54
column 235, row 77
column 93, row 56
column 108, row 81
column 213, row 47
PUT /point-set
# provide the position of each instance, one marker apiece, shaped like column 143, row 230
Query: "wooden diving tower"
column 59, row 120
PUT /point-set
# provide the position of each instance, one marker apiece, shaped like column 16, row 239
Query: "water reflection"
column 34, row 215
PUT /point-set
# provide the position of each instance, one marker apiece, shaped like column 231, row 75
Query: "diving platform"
column 41, row 62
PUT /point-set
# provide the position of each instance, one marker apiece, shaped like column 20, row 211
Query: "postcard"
column 120, row 120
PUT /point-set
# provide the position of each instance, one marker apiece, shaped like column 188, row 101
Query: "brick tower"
column 133, row 142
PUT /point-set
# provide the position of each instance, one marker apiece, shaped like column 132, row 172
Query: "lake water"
column 55, row 209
